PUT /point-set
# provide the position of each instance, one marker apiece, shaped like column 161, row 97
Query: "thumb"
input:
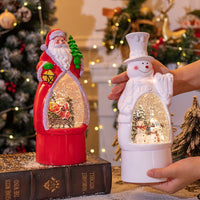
column 159, row 173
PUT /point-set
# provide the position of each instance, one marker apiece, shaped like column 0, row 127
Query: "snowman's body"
column 144, row 124
column 141, row 81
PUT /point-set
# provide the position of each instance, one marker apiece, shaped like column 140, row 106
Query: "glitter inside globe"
column 150, row 123
column 67, row 107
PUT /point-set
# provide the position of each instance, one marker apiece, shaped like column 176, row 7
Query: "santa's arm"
column 40, row 68
column 164, row 85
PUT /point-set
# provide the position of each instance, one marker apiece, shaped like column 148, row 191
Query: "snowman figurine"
column 144, row 123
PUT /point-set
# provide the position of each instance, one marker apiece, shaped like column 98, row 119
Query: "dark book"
column 22, row 178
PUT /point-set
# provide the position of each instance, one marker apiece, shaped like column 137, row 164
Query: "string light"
column 112, row 47
column 39, row 7
column 93, row 85
column 94, row 46
column 85, row 81
column 95, row 105
column 115, row 29
column 91, row 150
column 11, row 137
column 25, row 3
column 100, row 127
column 41, row 21
column 121, row 42
column 109, row 82
column 96, row 128
column 15, row 24
column 92, row 62
column 16, row 108
column 27, row 79
column 114, row 65
column 103, row 150
column 98, row 60
column 180, row 48
column 158, row 19
column 114, row 109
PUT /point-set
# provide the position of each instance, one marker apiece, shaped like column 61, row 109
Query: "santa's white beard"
column 61, row 53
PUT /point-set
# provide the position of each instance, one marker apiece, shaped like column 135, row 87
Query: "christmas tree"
column 187, row 143
column 123, row 21
column 167, row 46
column 23, row 25
column 139, row 123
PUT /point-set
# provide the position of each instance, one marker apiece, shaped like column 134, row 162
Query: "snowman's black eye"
column 147, row 63
column 143, row 63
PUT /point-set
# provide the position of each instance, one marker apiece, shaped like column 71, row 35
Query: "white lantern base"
column 136, row 163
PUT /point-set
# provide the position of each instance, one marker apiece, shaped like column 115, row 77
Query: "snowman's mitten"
column 164, row 86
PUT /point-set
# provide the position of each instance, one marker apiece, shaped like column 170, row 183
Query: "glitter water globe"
column 61, row 108
column 144, row 121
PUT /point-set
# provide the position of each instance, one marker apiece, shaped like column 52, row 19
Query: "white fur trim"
column 46, row 104
column 43, row 47
column 86, row 121
column 39, row 72
column 56, row 34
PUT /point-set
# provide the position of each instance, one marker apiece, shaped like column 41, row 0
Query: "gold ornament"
column 145, row 11
column 7, row 20
column 48, row 76
column 168, row 35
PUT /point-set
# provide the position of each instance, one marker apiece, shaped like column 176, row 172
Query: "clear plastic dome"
column 150, row 123
column 68, row 106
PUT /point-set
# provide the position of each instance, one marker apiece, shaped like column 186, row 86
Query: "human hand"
column 121, row 79
column 179, row 174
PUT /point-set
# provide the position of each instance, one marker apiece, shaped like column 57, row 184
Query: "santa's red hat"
column 50, row 36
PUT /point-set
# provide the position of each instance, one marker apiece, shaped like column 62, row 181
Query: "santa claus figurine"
column 61, row 109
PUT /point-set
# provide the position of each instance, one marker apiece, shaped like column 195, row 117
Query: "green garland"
column 121, row 24
column 185, row 51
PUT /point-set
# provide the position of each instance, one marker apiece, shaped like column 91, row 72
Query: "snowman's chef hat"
column 138, row 42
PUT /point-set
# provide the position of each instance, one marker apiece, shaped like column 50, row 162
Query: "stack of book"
column 22, row 178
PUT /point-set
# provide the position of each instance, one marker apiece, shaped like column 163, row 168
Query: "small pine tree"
column 139, row 114
column 187, row 143
column 75, row 52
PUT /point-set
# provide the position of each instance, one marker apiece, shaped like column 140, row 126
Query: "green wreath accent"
column 77, row 55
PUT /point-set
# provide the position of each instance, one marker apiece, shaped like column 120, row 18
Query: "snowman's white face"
column 139, row 69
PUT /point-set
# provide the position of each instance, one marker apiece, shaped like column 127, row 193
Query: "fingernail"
column 150, row 173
